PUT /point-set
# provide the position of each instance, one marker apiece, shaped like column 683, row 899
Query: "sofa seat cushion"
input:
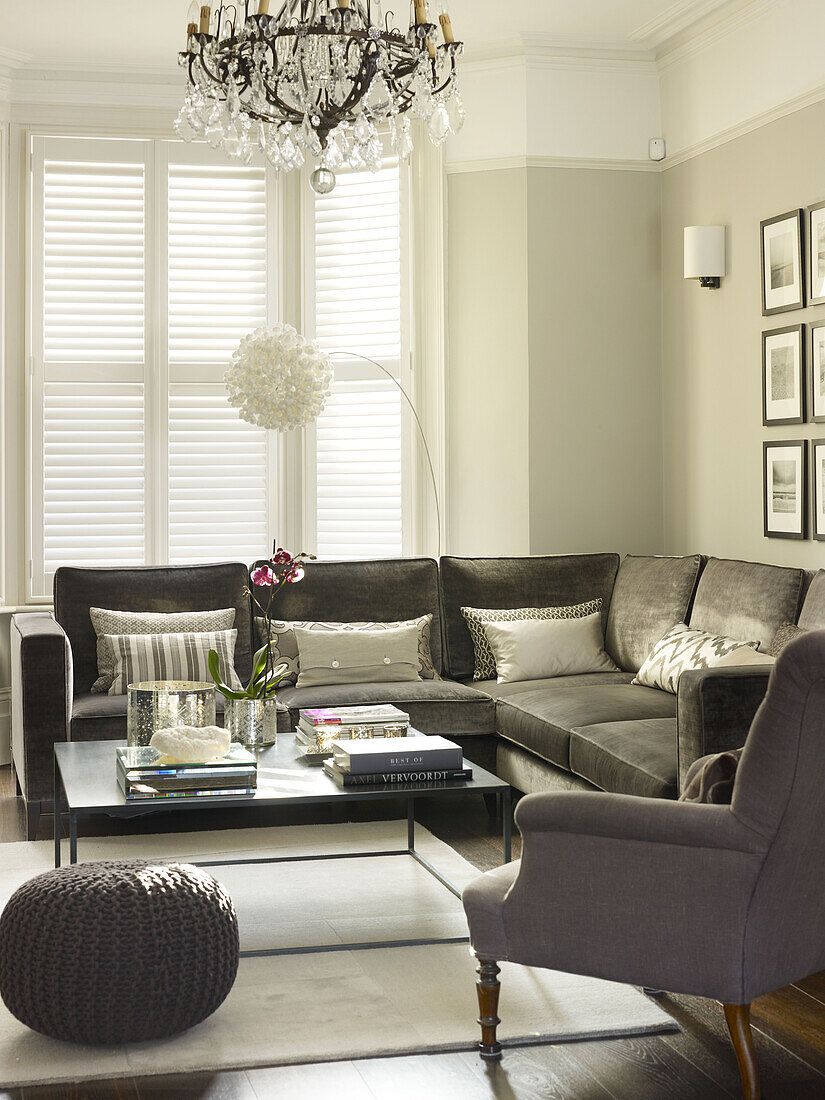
column 637, row 757
column 103, row 717
column 541, row 720
column 434, row 706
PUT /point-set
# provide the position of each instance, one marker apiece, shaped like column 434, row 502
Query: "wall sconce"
column 705, row 254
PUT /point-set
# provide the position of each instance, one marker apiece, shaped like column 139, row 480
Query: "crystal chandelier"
column 317, row 82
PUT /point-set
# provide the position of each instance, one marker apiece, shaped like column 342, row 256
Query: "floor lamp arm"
column 419, row 425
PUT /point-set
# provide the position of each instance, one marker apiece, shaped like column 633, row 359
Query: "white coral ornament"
column 190, row 744
column 278, row 379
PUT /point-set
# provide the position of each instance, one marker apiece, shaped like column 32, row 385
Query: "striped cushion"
column 140, row 657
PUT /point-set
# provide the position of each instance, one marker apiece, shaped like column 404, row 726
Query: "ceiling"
column 146, row 34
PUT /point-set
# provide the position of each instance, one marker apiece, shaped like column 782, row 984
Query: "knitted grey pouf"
column 117, row 952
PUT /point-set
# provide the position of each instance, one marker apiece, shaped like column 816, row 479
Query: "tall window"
column 149, row 261
column 360, row 282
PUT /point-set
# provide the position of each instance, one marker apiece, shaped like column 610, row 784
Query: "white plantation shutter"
column 88, row 355
column 217, row 259
column 217, row 479
column 93, row 475
column 219, row 466
column 150, row 261
column 360, row 306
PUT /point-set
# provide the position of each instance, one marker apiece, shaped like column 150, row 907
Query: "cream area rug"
column 330, row 1005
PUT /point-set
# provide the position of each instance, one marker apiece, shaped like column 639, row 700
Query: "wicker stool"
column 117, row 952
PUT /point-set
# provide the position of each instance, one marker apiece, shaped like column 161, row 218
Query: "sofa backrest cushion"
column 812, row 615
column 386, row 591
column 650, row 596
column 147, row 588
column 746, row 600
column 556, row 581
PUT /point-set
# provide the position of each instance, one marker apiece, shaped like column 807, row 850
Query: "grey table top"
column 87, row 770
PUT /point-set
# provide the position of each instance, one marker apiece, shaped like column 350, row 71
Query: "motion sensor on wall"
column 656, row 149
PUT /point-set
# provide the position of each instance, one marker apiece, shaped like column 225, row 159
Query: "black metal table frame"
column 505, row 809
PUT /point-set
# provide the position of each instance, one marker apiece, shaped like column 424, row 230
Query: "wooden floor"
column 695, row 1064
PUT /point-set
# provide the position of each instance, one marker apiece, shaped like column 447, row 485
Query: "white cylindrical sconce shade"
column 705, row 252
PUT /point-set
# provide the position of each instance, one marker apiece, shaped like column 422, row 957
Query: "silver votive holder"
column 165, row 704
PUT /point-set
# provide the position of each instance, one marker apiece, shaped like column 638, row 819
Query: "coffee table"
column 85, row 785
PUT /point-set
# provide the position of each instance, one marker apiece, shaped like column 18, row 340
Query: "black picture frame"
column 796, row 252
column 798, row 530
column 798, row 417
column 815, row 233
column 817, row 510
column 816, row 371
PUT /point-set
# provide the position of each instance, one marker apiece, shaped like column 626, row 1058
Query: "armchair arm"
column 715, row 708
column 624, row 817
column 41, row 664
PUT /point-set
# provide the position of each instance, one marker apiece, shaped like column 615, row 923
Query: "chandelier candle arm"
column 318, row 83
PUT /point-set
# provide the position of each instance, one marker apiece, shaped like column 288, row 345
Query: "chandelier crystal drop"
column 317, row 82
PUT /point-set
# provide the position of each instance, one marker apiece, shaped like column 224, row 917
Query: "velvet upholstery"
column 388, row 591
column 434, row 706
column 541, row 720
column 637, row 757
column 812, row 615
column 529, row 773
column 554, row 581
column 746, row 600
column 715, row 708
column 103, row 717
column 172, row 588
column 650, row 596
column 519, row 687
column 41, row 670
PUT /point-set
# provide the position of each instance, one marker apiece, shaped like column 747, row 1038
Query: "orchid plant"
column 282, row 568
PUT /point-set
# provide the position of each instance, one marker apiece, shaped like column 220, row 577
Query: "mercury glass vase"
column 166, row 704
column 252, row 722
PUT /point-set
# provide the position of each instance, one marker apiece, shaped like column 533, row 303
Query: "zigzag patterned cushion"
column 682, row 649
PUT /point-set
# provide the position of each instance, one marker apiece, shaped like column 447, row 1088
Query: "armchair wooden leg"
column 487, row 987
column 739, row 1026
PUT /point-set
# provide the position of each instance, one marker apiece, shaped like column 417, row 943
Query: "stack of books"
column 320, row 726
column 416, row 759
column 141, row 778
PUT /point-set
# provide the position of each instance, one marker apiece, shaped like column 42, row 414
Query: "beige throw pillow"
column 357, row 656
column 484, row 665
column 185, row 656
column 682, row 649
column 285, row 648
column 535, row 649
column 745, row 655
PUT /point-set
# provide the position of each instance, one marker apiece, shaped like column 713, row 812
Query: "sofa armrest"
column 715, row 708
column 41, row 666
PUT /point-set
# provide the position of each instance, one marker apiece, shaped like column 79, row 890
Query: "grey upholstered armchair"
column 726, row 902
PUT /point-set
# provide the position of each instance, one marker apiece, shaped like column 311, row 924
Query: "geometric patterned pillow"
column 147, row 622
column 476, row 617
column 786, row 633
column 682, row 649
column 284, row 646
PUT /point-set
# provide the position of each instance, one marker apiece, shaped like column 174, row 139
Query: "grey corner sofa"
column 589, row 732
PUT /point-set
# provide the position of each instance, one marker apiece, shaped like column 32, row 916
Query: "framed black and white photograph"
column 785, row 489
column 783, row 286
column 783, row 375
column 818, row 489
column 816, row 253
column 816, row 372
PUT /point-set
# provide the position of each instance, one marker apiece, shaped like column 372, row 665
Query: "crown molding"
column 721, row 23
column 673, row 20
column 82, row 87
column 553, row 51
column 789, row 107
